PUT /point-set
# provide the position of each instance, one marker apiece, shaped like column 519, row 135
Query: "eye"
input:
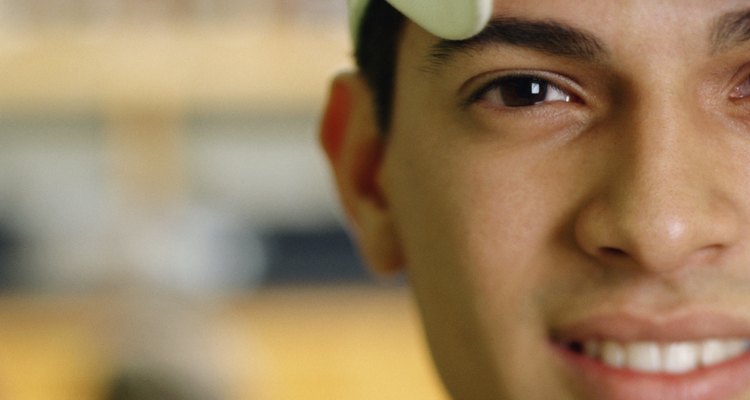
column 521, row 91
column 741, row 91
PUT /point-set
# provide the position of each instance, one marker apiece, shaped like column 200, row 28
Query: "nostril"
column 612, row 252
column 708, row 255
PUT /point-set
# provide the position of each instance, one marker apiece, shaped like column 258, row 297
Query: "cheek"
column 475, row 228
column 480, row 217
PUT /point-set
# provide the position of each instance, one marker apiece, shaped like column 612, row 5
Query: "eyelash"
column 535, row 84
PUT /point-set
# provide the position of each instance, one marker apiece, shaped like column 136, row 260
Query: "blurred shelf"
column 264, row 66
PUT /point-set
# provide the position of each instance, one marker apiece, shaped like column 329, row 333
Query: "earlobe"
column 355, row 149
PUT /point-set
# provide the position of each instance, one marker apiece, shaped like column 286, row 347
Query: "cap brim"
column 447, row 19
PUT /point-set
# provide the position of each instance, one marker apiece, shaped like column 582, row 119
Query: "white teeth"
column 613, row 354
column 680, row 357
column 670, row 358
column 712, row 352
column 736, row 347
column 591, row 348
column 644, row 356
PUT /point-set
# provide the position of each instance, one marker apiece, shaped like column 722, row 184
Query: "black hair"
column 376, row 54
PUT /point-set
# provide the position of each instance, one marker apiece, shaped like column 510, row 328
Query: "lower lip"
column 723, row 381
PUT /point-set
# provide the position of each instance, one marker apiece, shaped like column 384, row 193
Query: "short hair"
column 376, row 55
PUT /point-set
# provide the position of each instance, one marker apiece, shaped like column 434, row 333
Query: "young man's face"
column 583, row 189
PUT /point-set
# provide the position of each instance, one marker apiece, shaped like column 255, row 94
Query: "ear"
column 355, row 148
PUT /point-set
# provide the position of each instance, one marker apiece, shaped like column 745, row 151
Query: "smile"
column 622, row 356
column 659, row 357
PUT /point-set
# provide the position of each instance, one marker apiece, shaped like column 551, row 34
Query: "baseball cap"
column 447, row 19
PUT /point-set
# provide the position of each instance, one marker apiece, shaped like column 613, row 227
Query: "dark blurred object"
column 149, row 385
column 313, row 256
column 10, row 248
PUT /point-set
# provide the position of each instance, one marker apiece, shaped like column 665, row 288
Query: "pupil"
column 523, row 91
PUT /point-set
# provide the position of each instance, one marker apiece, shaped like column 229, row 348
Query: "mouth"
column 700, row 357
column 672, row 358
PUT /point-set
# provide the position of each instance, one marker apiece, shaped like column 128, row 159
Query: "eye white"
column 553, row 93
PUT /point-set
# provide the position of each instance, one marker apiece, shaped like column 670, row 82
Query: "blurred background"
column 168, row 229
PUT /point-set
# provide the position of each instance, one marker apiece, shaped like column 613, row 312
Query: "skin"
column 515, row 222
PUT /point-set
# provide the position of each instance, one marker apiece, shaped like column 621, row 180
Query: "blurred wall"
column 168, row 227
column 123, row 119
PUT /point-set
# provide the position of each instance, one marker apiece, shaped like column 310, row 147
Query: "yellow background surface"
column 325, row 343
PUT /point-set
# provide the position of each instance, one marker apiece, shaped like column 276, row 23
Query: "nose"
column 660, row 206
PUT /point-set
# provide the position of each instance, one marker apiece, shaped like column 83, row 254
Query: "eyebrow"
column 730, row 30
column 549, row 37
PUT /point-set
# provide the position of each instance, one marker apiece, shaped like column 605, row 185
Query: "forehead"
column 667, row 28
column 609, row 18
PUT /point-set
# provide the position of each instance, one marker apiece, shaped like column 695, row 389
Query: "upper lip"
column 630, row 327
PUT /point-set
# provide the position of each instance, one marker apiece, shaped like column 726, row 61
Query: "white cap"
column 447, row 19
